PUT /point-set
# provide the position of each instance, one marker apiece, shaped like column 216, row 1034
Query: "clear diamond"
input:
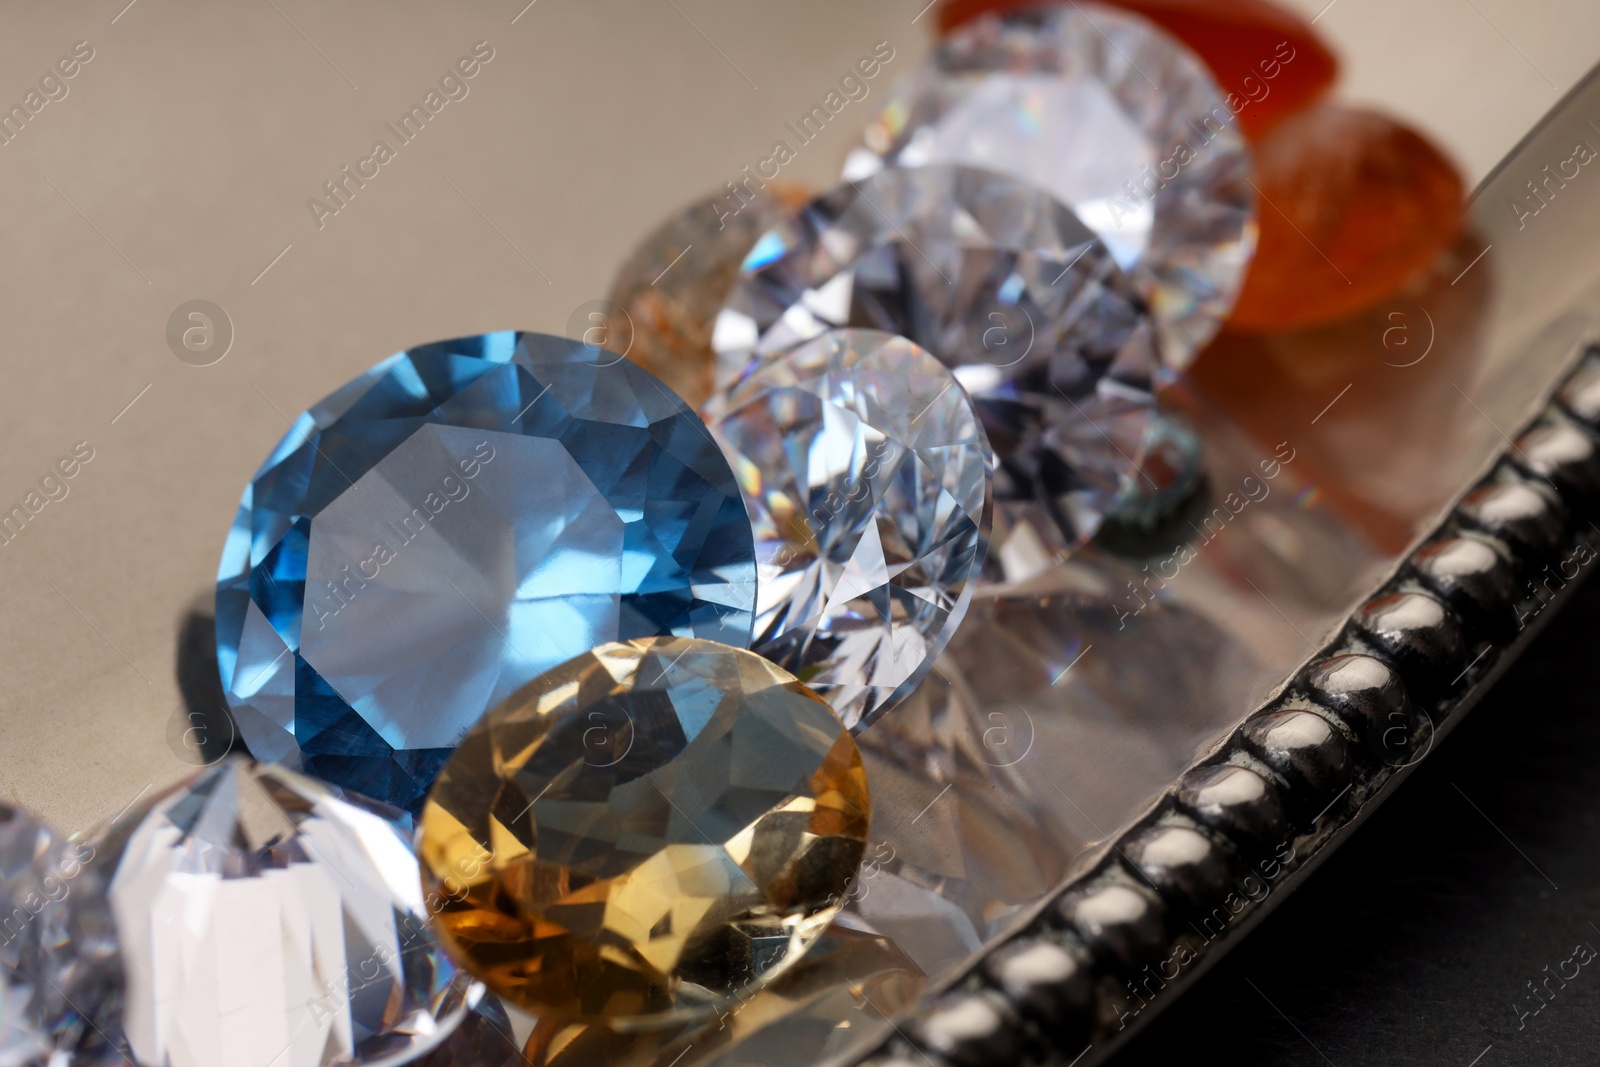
column 267, row 921
column 1001, row 282
column 645, row 832
column 44, row 949
column 1115, row 118
column 674, row 281
column 446, row 527
column 867, row 476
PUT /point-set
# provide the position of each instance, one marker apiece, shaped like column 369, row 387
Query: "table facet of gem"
column 644, row 833
column 450, row 524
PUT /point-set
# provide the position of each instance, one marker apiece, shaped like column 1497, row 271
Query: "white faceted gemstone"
column 994, row 276
column 1116, row 119
column 867, row 476
column 43, row 950
column 21, row 1043
column 266, row 920
column 1006, row 286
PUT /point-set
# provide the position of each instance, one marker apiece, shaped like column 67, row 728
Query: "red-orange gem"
column 1352, row 205
column 1268, row 58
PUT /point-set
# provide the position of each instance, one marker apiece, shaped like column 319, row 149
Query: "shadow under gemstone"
column 202, row 731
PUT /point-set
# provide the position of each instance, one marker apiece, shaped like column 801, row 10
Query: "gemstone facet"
column 1113, row 117
column 267, row 921
column 867, row 476
column 450, row 524
column 1002, row 283
column 675, row 280
column 644, row 832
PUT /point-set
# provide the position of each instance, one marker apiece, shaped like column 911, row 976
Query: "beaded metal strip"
column 1208, row 860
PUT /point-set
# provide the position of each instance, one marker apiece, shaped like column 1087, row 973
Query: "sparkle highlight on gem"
column 868, row 480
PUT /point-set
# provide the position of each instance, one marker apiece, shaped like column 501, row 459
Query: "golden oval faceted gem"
column 645, row 832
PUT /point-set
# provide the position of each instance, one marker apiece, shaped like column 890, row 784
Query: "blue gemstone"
column 449, row 525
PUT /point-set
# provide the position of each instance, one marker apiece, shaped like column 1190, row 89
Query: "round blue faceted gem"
column 449, row 525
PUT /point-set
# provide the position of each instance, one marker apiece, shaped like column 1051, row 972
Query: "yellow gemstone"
column 645, row 832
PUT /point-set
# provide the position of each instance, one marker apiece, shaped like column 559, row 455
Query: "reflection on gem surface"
column 867, row 477
column 442, row 529
column 846, row 984
column 645, row 832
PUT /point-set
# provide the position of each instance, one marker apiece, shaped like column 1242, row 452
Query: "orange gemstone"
column 1352, row 206
column 1267, row 58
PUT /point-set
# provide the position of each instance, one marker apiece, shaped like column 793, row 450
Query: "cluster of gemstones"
column 551, row 662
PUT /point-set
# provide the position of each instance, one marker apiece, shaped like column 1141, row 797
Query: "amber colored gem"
column 1353, row 206
column 644, row 832
column 1266, row 57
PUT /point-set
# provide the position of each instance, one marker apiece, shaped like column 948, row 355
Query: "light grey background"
column 178, row 167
